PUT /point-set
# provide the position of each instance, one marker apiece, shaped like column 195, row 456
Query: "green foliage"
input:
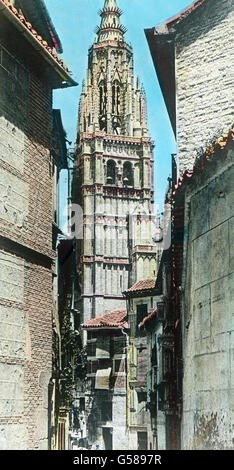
column 73, row 360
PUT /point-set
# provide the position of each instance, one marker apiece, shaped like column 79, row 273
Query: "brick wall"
column 204, row 75
column 25, row 254
column 25, row 180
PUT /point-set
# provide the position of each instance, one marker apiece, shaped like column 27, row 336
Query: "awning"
column 103, row 379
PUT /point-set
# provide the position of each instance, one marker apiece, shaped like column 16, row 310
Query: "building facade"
column 29, row 71
column 193, row 45
column 113, row 190
column 208, row 302
column 199, row 106
column 141, row 301
column 114, row 172
column 105, row 395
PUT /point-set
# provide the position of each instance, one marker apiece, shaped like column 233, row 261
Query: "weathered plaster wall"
column 204, row 76
column 208, row 307
column 120, row 438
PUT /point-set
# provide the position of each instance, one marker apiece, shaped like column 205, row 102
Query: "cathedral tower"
column 114, row 172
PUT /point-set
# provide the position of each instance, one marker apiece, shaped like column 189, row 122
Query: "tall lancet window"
column 116, row 122
column 102, row 105
column 116, row 98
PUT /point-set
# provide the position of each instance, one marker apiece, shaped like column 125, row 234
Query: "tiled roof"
column 147, row 319
column 202, row 161
column 112, row 319
column 27, row 25
column 186, row 175
column 184, row 13
column 145, row 284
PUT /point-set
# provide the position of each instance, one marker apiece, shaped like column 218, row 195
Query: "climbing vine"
column 73, row 360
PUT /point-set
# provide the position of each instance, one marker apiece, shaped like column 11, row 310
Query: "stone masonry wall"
column 204, row 54
column 25, row 179
column 25, row 253
column 25, row 352
column 208, row 307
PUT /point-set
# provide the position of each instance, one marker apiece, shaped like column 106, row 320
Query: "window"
column 154, row 361
column 102, row 105
column 106, row 412
column 121, row 282
column 128, row 174
column 167, row 361
column 141, row 313
column 117, row 364
column 118, row 345
column 111, row 172
column 142, row 440
column 82, row 404
column 91, row 349
column 116, row 98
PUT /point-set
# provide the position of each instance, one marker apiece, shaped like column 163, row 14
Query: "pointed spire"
column 110, row 27
column 110, row 4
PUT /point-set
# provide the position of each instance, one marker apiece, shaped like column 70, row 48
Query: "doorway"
column 142, row 441
column 108, row 438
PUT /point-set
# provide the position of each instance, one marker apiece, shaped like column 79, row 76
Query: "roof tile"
column 112, row 319
column 145, row 284
column 147, row 319
column 27, row 25
column 207, row 155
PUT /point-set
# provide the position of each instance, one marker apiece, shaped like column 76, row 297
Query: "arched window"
column 116, row 98
column 102, row 98
column 102, row 105
column 128, row 179
column 111, row 172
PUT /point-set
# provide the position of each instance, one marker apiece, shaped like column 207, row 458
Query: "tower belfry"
column 114, row 172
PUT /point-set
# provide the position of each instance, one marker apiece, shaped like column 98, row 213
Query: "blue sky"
column 75, row 21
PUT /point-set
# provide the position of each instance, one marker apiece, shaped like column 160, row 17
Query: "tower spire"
column 110, row 27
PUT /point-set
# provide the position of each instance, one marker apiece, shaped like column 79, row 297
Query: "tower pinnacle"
column 110, row 27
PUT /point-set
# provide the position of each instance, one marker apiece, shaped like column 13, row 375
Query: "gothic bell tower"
column 114, row 172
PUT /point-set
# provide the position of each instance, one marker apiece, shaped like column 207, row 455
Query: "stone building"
column 141, row 302
column 194, row 69
column 199, row 301
column 105, row 396
column 29, row 71
column 113, row 187
column 208, row 300
column 114, row 173
column 152, row 328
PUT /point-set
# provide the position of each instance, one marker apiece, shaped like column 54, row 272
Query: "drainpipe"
column 126, row 362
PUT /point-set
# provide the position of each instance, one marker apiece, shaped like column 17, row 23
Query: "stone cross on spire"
column 110, row 27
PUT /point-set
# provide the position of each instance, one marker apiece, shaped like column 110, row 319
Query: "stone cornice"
column 105, row 260
column 118, row 44
column 115, row 191
column 120, row 139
